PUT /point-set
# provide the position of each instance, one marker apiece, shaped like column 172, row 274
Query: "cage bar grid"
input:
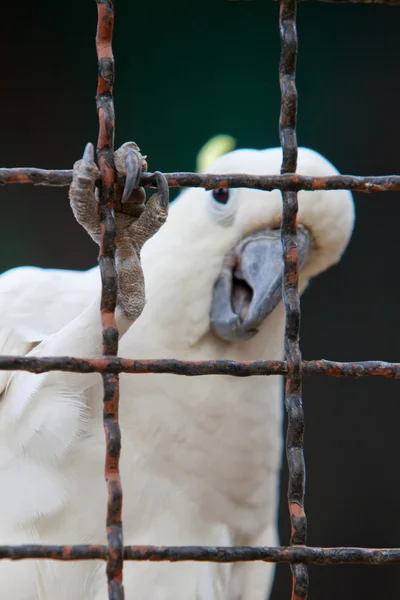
column 298, row 555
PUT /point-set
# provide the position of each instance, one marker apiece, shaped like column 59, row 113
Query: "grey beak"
column 250, row 284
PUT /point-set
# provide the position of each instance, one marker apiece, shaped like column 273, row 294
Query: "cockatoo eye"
column 223, row 205
column 221, row 195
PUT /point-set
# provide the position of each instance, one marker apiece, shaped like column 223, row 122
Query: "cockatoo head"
column 225, row 250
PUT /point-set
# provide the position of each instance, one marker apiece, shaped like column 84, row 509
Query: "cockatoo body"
column 201, row 456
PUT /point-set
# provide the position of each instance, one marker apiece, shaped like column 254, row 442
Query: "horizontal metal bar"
column 286, row 182
column 284, row 554
column 64, row 553
column 171, row 366
column 32, row 176
column 279, row 554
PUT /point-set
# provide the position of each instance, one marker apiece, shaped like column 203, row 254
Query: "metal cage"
column 293, row 368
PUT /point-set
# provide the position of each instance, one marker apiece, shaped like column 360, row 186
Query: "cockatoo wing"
column 36, row 303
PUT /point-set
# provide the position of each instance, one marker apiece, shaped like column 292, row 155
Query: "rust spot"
column 19, row 177
column 296, row 510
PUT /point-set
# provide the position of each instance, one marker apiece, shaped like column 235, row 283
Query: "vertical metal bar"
column 293, row 401
column 105, row 158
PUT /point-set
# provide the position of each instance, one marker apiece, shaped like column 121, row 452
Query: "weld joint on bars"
column 284, row 182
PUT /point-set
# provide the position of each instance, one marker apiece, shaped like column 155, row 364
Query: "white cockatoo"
column 201, row 457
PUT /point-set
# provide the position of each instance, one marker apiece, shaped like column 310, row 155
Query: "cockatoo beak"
column 250, row 284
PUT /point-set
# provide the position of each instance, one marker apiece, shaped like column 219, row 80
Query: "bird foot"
column 129, row 207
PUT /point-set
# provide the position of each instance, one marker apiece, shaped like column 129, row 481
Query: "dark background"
column 185, row 72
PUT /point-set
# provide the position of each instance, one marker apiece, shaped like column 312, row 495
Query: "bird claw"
column 130, row 163
column 88, row 154
column 133, row 173
column 163, row 189
column 82, row 193
column 129, row 208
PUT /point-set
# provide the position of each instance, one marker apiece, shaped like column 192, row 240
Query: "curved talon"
column 83, row 195
column 88, row 155
column 163, row 189
column 133, row 174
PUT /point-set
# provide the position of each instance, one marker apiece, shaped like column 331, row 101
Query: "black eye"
column 221, row 195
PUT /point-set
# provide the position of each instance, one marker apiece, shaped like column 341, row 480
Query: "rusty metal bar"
column 209, row 181
column 291, row 299
column 105, row 158
column 172, row 366
column 32, row 176
column 284, row 182
column 279, row 554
